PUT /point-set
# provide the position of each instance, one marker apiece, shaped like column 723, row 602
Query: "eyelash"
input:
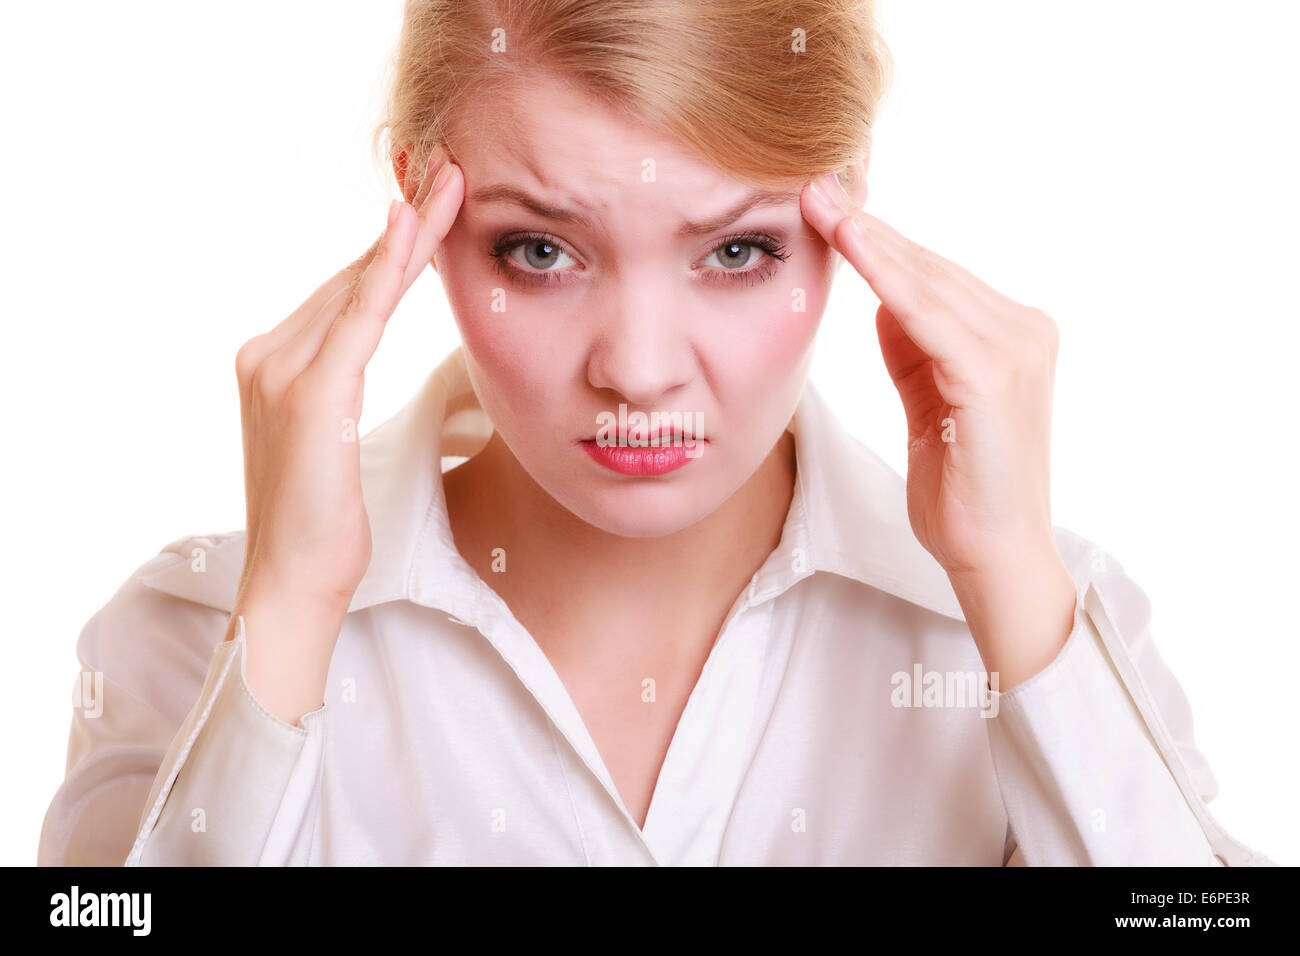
column 504, row 265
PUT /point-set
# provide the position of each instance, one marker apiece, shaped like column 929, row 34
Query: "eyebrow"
column 504, row 193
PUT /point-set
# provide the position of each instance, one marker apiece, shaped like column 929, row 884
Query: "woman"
column 666, row 610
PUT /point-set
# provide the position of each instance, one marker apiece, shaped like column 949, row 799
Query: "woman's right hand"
column 300, row 390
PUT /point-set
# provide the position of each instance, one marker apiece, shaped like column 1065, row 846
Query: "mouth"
column 628, row 438
column 657, row 456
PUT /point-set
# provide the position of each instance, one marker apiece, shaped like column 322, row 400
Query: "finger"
column 912, row 373
column 829, row 186
column 289, row 327
column 996, row 319
column 922, row 303
column 956, row 285
column 429, row 237
column 353, row 336
column 296, row 354
column 440, row 205
column 906, row 249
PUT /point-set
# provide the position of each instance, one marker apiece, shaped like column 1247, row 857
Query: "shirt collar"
column 848, row 515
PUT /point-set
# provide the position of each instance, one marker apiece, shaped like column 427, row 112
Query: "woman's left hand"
column 975, row 372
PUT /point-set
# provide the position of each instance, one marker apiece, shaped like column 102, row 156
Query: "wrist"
column 286, row 659
column 293, row 597
column 1020, row 616
column 289, row 641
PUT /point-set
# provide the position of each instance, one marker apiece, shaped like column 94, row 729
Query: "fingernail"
column 444, row 174
column 858, row 229
column 828, row 189
column 436, row 162
column 392, row 211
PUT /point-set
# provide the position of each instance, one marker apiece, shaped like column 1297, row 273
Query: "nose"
column 641, row 350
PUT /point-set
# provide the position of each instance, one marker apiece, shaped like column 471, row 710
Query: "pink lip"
column 666, row 435
column 643, row 461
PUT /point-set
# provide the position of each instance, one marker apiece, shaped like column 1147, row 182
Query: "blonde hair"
column 770, row 90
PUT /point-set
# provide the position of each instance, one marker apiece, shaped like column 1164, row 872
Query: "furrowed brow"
column 726, row 218
column 505, row 193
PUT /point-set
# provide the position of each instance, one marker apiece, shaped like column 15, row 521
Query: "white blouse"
column 842, row 716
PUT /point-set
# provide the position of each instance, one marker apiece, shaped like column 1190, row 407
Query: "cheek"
column 758, row 361
column 771, row 336
column 474, row 294
column 518, row 363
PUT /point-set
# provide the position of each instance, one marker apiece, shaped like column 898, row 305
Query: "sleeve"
column 1094, row 755
column 238, row 786
column 171, row 759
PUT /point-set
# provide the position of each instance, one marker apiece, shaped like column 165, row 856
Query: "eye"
column 529, row 259
column 535, row 259
column 539, row 254
column 736, row 255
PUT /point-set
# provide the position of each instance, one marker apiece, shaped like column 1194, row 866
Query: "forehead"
column 555, row 141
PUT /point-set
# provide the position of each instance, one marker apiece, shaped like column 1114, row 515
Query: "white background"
column 178, row 177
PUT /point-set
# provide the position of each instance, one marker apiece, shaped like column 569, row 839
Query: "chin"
column 638, row 508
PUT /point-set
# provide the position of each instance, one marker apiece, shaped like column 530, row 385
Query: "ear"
column 401, row 163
